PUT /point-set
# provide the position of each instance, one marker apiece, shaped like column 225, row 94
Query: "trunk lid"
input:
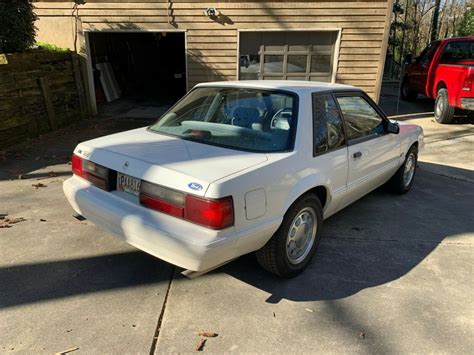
column 169, row 161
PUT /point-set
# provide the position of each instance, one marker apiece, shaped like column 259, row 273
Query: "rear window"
column 245, row 119
column 458, row 51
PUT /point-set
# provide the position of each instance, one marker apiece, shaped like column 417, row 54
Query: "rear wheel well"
column 441, row 85
column 322, row 194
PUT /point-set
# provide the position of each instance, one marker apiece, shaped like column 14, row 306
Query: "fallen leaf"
column 7, row 222
column 38, row 185
column 52, row 174
column 200, row 345
column 42, row 220
column 207, row 334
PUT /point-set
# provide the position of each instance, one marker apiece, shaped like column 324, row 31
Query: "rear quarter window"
column 458, row 51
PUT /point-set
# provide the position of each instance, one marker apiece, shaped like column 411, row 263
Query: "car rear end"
column 456, row 72
column 466, row 96
column 185, row 229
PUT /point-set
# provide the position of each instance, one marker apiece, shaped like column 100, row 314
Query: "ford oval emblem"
column 195, row 186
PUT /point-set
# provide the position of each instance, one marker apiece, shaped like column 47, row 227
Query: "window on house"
column 292, row 55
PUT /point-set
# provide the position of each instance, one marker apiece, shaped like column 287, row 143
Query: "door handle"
column 357, row 155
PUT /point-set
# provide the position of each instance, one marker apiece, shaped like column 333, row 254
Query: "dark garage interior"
column 148, row 70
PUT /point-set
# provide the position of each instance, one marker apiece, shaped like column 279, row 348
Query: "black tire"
column 444, row 113
column 273, row 257
column 406, row 93
column 398, row 182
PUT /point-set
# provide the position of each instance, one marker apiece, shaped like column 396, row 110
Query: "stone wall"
column 39, row 91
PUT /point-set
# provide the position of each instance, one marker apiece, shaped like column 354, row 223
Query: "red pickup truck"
column 443, row 71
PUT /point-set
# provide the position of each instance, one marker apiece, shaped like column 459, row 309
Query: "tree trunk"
column 434, row 24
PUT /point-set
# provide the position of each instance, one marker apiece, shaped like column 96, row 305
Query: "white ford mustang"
column 238, row 167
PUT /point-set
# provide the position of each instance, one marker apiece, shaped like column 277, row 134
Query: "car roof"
column 288, row 85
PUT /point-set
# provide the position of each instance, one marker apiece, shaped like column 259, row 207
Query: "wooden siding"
column 212, row 45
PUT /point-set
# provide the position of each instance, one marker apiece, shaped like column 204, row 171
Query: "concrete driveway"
column 393, row 273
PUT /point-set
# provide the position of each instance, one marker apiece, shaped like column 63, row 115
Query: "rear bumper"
column 178, row 242
column 467, row 103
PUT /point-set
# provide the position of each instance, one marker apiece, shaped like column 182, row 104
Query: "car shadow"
column 50, row 280
column 373, row 242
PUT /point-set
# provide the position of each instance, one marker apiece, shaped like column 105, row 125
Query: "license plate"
column 128, row 184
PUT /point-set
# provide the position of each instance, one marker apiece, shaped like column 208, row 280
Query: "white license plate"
column 128, row 184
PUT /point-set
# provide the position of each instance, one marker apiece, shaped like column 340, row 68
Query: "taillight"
column 215, row 214
column 94, row 173
column 76, row 163
column 162, row 199
column 468, row 81
column 210, row 213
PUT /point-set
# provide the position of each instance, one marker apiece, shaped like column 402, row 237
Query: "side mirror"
column 393, row 127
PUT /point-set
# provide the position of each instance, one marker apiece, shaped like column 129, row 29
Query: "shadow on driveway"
column 29, row 283
column 374, row 241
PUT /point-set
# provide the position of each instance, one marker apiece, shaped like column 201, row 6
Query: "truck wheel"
column 403, row 179
column 406, row 92
column 443, row 112
column 292, row 246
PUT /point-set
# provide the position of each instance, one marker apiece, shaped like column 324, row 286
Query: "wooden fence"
column 39, row 92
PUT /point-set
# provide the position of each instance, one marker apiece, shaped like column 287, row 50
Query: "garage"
column 340, row 42
column 136, row 73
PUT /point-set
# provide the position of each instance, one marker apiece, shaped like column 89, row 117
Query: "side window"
column 328, row 132
column 427, row 53
column 360, row 117
column 457, row 51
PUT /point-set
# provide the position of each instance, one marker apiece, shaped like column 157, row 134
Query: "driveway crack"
column 162, row 313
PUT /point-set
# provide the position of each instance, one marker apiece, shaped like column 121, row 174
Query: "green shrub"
column 51, row 47
column 17, row 25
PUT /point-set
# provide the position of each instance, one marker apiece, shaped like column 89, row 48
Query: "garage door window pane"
column 273, row 64
column 297, row 63
column 249, row 66
column 360, row 117
column 320, row 63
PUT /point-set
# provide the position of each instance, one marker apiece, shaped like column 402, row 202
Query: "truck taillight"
column 468, row 81
column 96, row 174
column 210, row 213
